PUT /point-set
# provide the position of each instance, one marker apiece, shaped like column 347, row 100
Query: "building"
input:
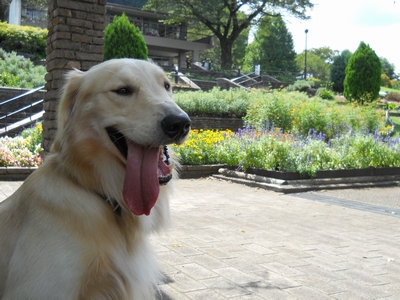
column 167, row 44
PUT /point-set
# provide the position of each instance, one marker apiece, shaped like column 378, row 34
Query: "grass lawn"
column 386, row 89
column 396, row 122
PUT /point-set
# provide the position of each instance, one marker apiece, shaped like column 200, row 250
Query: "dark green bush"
column 363, row 75
column 326, row 94
column 123, row 40
column 23, row 39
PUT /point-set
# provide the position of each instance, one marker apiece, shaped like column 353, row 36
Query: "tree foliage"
column 225, row 18
column 388, row 68
column 124, row 40
column 363, row 75
column 272, row 47
column 318, row 62
column 338, row 70
column 197, row 31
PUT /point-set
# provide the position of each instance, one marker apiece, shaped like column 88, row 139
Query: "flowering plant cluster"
column 296, row 113
column 23, row 150
column 272, row 149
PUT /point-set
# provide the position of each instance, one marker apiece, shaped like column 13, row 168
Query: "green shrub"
column 123, row 40
column 301, row 86
column 17, row 71
column 363, row 75
column 217, row 102
column 24, row 39
column 326, row 94
column 273, row 109
column 396, row 85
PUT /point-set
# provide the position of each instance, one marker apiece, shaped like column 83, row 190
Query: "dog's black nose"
column 176, row 126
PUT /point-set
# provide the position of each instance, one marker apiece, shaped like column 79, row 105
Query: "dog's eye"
column 167, row 86
column 123, row 91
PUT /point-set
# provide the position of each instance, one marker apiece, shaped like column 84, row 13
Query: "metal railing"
column 28, row 109
column 245, row 78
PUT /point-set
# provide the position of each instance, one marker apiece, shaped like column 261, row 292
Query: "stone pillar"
column 75, row 40
column 14, row 13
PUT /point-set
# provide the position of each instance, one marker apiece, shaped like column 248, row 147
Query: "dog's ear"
column 66, row 105
column 68, row 97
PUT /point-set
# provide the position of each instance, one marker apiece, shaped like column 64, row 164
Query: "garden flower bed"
column 273, row 150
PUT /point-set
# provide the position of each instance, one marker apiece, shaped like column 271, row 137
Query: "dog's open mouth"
column 146, row 169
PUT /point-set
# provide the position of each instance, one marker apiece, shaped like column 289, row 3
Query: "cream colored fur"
column 58, row 238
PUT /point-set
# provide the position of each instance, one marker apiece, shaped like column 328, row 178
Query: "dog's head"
column 114, row 123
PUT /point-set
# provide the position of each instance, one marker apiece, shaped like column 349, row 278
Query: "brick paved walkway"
column 229, row 241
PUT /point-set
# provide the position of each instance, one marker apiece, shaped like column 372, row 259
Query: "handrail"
column 22, row 95
column 30, row 106
column 21, row 109
column 244, row 75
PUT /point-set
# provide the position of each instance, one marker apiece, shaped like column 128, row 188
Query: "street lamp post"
column 305, row 58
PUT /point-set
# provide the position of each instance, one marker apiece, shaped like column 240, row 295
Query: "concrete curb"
column 15, row 173
column 304, row 185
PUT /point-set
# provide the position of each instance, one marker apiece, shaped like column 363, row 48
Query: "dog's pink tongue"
column 141, row 186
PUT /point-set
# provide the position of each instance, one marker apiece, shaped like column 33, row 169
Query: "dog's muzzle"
column 176, row 126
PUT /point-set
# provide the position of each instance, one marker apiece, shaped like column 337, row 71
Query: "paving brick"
column 225, row 287
column 208, row 261
column 267, row 291
column 282, row 269
column 237, row 276
column 304, row 292
column 277, row 280
column 205, row 295
column 196, row 271
column 229, row 241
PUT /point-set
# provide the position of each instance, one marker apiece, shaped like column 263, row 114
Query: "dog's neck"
column 116, row 208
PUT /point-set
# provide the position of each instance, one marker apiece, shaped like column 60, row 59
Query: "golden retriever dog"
column 78, row 227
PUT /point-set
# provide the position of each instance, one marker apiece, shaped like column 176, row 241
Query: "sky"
column 343, row 24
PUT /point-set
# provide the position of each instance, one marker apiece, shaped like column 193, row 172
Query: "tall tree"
column 338, row 70
column 388, row 68
column 238, row 49
column 363, row 75
column 318, row 62
column 224, row 18
column 272, row 47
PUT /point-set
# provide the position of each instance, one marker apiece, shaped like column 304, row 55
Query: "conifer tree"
column 123, row 40
column 363, row 75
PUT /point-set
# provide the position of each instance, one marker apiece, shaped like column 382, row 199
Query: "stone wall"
column 205, row 85
column 75, row 40
column 216, row 123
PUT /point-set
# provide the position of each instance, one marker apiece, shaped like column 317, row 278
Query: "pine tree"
column 123, row 40
column 363, row 75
